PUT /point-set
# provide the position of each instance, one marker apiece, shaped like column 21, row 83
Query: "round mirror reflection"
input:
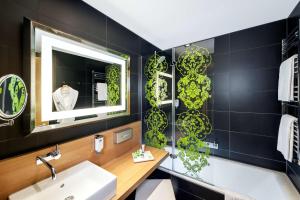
column 13, row 96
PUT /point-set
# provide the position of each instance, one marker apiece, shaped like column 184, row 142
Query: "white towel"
column 102, row 91
column 286, row 80
column 286, row 136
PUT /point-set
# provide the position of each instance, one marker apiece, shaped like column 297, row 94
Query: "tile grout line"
column 229, row 99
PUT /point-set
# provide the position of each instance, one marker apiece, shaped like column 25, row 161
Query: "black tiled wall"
column 74, row 17
column 296, row 11
column 244, row 108
column 293, row 170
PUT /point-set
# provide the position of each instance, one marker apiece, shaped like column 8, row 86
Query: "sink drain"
column 70, row 197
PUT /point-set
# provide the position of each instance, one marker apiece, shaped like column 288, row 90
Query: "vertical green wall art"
column 193, row 90
column 156, row 119
column 113, row 76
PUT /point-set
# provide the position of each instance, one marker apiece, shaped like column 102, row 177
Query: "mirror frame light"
column 53, row 39
column 65, row 45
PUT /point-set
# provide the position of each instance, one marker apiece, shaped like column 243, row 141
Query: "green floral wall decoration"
column 193, row 90
column 156, row 91
column 193, row 60
column 193, row 122
column 153, row 66
column 156, row 119
column 113, row 74
column 194, row 154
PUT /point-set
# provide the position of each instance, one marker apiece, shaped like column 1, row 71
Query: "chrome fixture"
column 52, row 169
column 54, row 155
column 161, row 59
column 213, row 145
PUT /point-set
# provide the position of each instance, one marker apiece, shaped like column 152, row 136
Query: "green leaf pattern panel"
column 155, row 118
column 17, row 93
column 193, row 90
column 113, row 81
column 156, row 121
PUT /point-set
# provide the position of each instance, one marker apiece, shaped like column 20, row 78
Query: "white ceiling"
column 171, row 23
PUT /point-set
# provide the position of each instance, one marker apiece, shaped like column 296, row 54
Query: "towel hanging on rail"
column 286, row 79
column 102, row 91
column 286, row 136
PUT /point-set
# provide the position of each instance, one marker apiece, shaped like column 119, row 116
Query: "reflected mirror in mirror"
column 13, row 96
column 163, row 88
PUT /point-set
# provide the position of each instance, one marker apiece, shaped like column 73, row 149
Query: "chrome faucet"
column 52, row 169
column 49, row 156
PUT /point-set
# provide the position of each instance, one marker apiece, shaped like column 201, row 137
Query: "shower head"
column 161, row 59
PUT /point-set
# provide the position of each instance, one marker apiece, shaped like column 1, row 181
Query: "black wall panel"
column 244, row 109
column 77, row 18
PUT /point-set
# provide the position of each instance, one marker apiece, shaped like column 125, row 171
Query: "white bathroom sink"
column 83, row 181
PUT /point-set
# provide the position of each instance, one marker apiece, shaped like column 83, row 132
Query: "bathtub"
column 237, row 179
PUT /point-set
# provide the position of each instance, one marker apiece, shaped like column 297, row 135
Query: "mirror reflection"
column 80, row 82
column 13, row 96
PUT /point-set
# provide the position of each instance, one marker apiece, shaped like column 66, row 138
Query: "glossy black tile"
column 257, row 161
column 134, row 83
column 134, row 103
column 220, row 82
column 118, row 35
column 255, row 145
column 262, row 124
column 147, row 48
column 219, row 119
column 15, row 146
column 294, row 175
column 257, row 102
column 220, row 63
column 183, row 195
column 219, row 137
column 119, row 121
column 222, row 44
column 254, row 80
column 258, row 36
column 195, row 190
column 220, row 101
column 258, row 58
column 74, row 15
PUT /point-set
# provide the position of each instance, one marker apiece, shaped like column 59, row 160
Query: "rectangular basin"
column 83, row 181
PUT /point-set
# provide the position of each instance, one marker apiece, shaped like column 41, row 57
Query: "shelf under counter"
column 129, row 174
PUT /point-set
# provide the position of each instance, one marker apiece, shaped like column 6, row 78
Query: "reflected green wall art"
column 17, row 93
column 156, row 89
column 193, row 89
column 113, row 75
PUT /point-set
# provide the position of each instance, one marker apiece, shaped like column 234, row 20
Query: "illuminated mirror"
column 74, row 81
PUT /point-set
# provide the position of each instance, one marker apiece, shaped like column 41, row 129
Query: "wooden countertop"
column 129, row 174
